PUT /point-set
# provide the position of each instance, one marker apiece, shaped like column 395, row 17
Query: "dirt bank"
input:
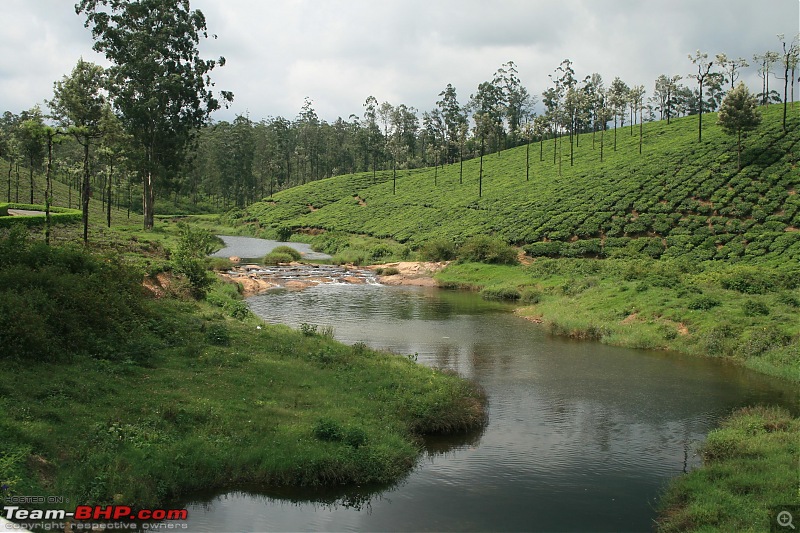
column 417, row 273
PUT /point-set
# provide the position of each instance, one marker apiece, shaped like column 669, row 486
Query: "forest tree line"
column 219, row 164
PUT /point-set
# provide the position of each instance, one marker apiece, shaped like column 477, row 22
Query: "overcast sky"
column 338, row 52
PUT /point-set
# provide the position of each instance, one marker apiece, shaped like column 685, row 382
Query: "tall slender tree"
column 78, row 104
column 700, row 60
column 158, row 80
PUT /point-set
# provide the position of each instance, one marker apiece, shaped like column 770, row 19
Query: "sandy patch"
column 416, row 273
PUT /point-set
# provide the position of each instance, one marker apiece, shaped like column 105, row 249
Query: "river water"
column 581, row 436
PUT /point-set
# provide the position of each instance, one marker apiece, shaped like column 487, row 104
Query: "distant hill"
column 678, row 197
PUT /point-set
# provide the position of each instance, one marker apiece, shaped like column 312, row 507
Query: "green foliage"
column 58, row 215
column 189, row 258
column 217, row 334
column 680, row 199
column 484, row 249
column 500, row 293
column 328, row 430
column 287, row 250
column 284, row 233
column 438, row 249
column 57, row 303
column 749, row 465
column 755, row 308
column 703, row 303
column 275, row 258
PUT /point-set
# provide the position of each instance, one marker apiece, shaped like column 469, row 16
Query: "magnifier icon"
column 785, row 519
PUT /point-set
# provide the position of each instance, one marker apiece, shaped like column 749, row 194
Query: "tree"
column 637, row 104
column 765, row 62
column 731, row 67
column 617, row 100
column 31, row 140
column 517, row 101
column 703, row 73
column 739, row 113
column 78, row 104
column 789, row 60
column 157, row 79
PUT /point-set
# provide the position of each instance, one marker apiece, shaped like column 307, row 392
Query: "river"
column 581, row 436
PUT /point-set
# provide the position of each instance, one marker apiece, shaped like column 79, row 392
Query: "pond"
column 581, row 436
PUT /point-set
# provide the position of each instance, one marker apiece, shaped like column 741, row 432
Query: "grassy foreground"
column 750, row 469
column 147, row 400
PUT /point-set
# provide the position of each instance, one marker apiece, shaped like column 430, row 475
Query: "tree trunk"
column 700, row 122
column 10, row 167
column 110, row 177
column 16, row 194
column 528, row 161
column 615, row 132
column 31, row 178
column 86, row 192
column 48, row 190
column 480, row 173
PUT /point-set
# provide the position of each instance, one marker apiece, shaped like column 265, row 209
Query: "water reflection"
column 581, row 436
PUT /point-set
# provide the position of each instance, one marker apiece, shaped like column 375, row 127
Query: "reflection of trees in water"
column 447, row 356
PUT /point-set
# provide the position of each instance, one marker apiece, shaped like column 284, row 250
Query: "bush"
column 288, row 250
column 217, row 334
column 438, row 250
column 503, row 293
column 273, row 258
column 703, row 303
column 329, row 430
column 284, row 233
column 388, row 271
column 485, row 249
column 543, row 249
column 531, row 296
column 755, row 308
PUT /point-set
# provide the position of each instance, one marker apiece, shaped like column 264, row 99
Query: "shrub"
column 543, row 249
column 288, row 250
column 502, row 293
column 703, row 303
column 284, row 233
column 388, row 271
column 755, row 308
column 439, row 249
column 355, row 437
column 329, row 430
column 309, row 330
column 273, row 258
column 217, row 334
column 485, row 249
column 530, row 296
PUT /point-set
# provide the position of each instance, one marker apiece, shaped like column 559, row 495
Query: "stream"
column 581, row 436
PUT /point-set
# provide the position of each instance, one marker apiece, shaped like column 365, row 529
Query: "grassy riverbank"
column 750, row 470
column 149, row 399
column 743, row 313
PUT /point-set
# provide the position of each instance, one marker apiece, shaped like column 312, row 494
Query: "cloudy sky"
column 338, row 52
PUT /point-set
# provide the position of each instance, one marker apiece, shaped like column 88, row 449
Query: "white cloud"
column 338, row 52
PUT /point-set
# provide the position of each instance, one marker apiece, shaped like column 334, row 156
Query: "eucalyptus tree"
column 700, row 60
column 9, row 144
column 517, row 101
column 616, row 100
column 373, row 133
column 157, row 79
column 454, row 116
column 593, row 88
column 789, row 58
column 765, row 62
column 79, row 103
column 113, row 148
column 31, row 140
column 488, row 102
column 732, row 67
column 308, row 133
column 435, row 131
column 664, row 95
column 739, row 113
column 637, row 93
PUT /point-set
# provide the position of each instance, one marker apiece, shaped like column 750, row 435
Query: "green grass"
column 658, row 304
column 148, row 400
column 679, row 198
column 750, row 465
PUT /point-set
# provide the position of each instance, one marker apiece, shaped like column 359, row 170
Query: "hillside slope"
column 678, row 197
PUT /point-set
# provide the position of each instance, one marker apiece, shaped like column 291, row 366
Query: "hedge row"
column 58, row 215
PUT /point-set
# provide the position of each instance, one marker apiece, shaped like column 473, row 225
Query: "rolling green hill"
column 678, row 197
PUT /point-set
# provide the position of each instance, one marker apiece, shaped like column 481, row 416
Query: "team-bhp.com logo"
column 116, row 516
